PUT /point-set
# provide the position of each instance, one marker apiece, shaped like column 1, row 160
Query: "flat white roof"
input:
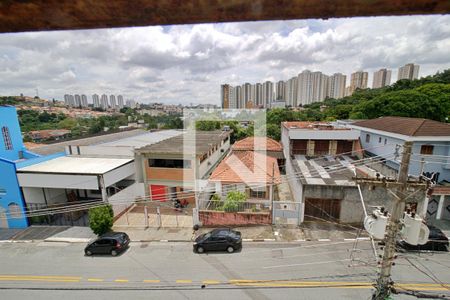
column 145, row 139
column 77, row 165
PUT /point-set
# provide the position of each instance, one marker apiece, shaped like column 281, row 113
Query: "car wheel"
column 114, row 253
column 230, row 249
column 88, row 253
column 200, row 250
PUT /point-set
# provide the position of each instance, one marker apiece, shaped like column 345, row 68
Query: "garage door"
column 322, row 209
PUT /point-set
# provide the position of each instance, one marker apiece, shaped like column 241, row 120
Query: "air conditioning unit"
column 376, row 222
column 414, row 231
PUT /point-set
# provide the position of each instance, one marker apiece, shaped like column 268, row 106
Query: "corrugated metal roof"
column 60, row 147
column 145, row 139
column 76, row 165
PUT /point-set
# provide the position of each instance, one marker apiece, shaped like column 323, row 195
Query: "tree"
column 274, row 131
column 101, row 219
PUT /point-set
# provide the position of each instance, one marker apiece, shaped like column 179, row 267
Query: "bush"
column 234, row 198
column 101, row 219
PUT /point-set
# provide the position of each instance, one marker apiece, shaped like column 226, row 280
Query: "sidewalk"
column 307, row 232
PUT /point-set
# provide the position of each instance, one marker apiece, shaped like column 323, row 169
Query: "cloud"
column 187, row 63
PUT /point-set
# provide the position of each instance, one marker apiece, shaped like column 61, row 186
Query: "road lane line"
column 211, row 282
column 95, row 279
column 40, row 276
column 183, row 281
column 152, row 281
column 39, row 279
column 121, row 280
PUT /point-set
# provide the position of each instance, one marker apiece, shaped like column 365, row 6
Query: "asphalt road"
column 308, row 270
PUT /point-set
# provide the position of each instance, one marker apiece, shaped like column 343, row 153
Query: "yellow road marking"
column 38, row 279
column 121, row 280
column 39, row 276
column 95, row 279
column 211, row 282
column 152, row 281
column 184, row 281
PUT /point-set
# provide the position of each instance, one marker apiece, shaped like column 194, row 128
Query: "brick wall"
column 215, row 218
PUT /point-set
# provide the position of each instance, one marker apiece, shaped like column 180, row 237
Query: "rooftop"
column 60, row 147
column 204, row 141
column 407, row 126
column 76, row 165
column 247, row 166
column 312, row 125
column 257, row 143
column 338, row 171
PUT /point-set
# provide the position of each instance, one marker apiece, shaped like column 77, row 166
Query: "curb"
column 81, row 240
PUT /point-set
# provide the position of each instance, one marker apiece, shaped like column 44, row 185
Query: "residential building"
column 225, row 91
column 48, row 134
column 259, row 95
column 104, row 102
column 250, row 172
column 246, row 95
column 69, row 100
column 112, row 101
column 175, row 165
column 280, row 93
column 408, row 71
column 264, row 145
column 77, row 101
column 84, row 101
column 430, row 154
column 96, row 101
column 381, row 78
column 336, row 86
column 431, row 139
column 120, row 102
column 320, row 167
column 267, row 93
column 358, row 80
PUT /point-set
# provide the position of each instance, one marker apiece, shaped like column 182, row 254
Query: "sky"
column 188, row 63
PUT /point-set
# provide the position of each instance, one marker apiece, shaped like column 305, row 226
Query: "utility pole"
column 384, row 282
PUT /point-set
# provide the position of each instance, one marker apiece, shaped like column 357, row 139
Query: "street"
column 307, row 270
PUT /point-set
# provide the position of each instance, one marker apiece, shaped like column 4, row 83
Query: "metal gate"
column 287, row 212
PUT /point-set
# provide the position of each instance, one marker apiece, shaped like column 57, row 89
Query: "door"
column 344, row 147
column 322, row 209
column 103, row 246
column 218, row 243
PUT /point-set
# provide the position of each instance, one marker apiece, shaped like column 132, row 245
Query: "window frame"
column 7, row 138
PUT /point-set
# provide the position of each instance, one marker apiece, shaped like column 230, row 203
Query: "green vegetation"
column 101, row 219
column 8, row 100
column 231, row 202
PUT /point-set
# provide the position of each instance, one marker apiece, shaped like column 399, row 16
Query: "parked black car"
column 437, row 241
column 110, row 243
column 222, row 239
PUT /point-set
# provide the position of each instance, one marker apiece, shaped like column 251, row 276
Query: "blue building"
column 431, row 144
column 13, row 155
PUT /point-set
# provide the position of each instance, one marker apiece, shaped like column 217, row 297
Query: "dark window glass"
column 170, row 163
column 367, row 138
column 426, row 149
column 7, row 138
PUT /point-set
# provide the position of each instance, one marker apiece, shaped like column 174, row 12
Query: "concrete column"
column 103, row 189
column 440, row 206
column 310, row 148
column 424, row 208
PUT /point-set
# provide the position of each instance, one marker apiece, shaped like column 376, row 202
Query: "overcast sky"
column 187, row 64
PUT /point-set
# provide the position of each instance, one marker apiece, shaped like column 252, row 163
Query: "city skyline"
column 187, row 63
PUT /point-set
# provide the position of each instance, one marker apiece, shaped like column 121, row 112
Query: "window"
column 170, row 163
column 367, row 138
column 7, row 138
column 258, row 194
column 426, row 149
column 385, row 141
column 379, row 139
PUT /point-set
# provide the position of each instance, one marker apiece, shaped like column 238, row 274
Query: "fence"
column 252, row 205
